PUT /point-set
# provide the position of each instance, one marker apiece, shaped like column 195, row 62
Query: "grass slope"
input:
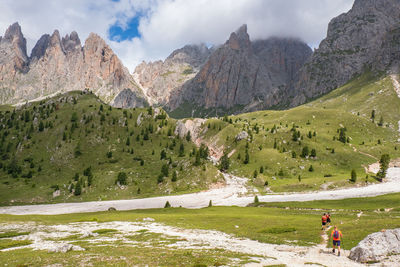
column 271, row 146
column 44, row 145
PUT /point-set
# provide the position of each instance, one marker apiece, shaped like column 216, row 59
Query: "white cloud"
column 170, row 24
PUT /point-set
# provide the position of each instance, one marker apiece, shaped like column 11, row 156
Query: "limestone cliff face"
column 161, row 79
column 59, row 65
column 366, row 37
column 253, row 75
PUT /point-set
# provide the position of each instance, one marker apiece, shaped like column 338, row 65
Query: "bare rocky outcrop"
column 58, row 65
column 161, row 79
column 127, row 98
column 192, row 126
column 242, row 135
column 377, row 246
column 251, row 75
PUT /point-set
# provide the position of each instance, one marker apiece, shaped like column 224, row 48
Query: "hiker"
column 328, row 218
column 336, row 236
column 324, row 221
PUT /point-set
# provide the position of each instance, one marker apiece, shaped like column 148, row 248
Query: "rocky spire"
column 71, row 42
column 239, row 39
column 39, row 49
column 16, row 43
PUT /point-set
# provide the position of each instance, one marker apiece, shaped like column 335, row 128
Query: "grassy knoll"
column 74, row 139
column 277, row 138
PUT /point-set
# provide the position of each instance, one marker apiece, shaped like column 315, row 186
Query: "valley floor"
column 234, row 193
column 55, row 238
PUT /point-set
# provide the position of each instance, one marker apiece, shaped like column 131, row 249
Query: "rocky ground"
column 62, row 238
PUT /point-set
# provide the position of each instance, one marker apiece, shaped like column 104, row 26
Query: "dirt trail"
column 233, row 193
column 45, row 237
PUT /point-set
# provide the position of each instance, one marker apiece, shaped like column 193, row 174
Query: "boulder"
column 242, row 135
column 377, row 246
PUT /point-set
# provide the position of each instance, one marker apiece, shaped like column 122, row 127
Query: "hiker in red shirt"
column 328, row 218
column 336, row 235
column 324, row 219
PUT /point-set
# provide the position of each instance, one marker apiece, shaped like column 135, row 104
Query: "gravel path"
column 234, row 193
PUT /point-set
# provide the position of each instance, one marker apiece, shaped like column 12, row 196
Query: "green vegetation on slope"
column 76, row 144
column 316, row 145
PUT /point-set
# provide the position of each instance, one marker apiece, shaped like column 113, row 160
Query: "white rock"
column 242, row 135
column 377, row 246
column 56, row 193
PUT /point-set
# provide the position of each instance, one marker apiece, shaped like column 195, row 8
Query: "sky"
column 150, row 30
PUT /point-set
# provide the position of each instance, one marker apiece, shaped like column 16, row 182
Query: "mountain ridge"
column 58, row 65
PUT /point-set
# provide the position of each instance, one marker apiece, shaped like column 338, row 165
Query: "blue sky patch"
column 117, row 33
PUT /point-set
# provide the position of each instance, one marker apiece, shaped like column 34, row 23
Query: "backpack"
column 336, row 234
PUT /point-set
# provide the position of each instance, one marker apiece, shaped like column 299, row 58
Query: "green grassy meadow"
column 277, row 223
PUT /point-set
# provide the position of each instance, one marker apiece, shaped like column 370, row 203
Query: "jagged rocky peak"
column 95, row 46
column 239, row 39
column 245, row 75
column 55, row 41
column 61, row 65
column 71, row 42
column 39, row 49
column 14, row 32
column 194, row 55
column 13, row 45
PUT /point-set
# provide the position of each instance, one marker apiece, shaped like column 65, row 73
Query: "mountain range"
column 238, row 76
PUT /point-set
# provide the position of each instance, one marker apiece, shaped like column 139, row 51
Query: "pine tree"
column 122, row 178
column 197, row 159
column 167, row 205
column 384, row 165
column 313, row 153
column 210, row 203
column 181, row 150
column 188, row 137
column 163, row 154
column 164, row 170
column 78, row 189
column 353, row 178
column 262, row 169
column 255, row 174
column 311, row 169
column 246, row 157
column 305, row 152
column 41, row 126
column 174, row 177
column 373, row 115
column 224, row 163
column 342, row 135
column 256, row 200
